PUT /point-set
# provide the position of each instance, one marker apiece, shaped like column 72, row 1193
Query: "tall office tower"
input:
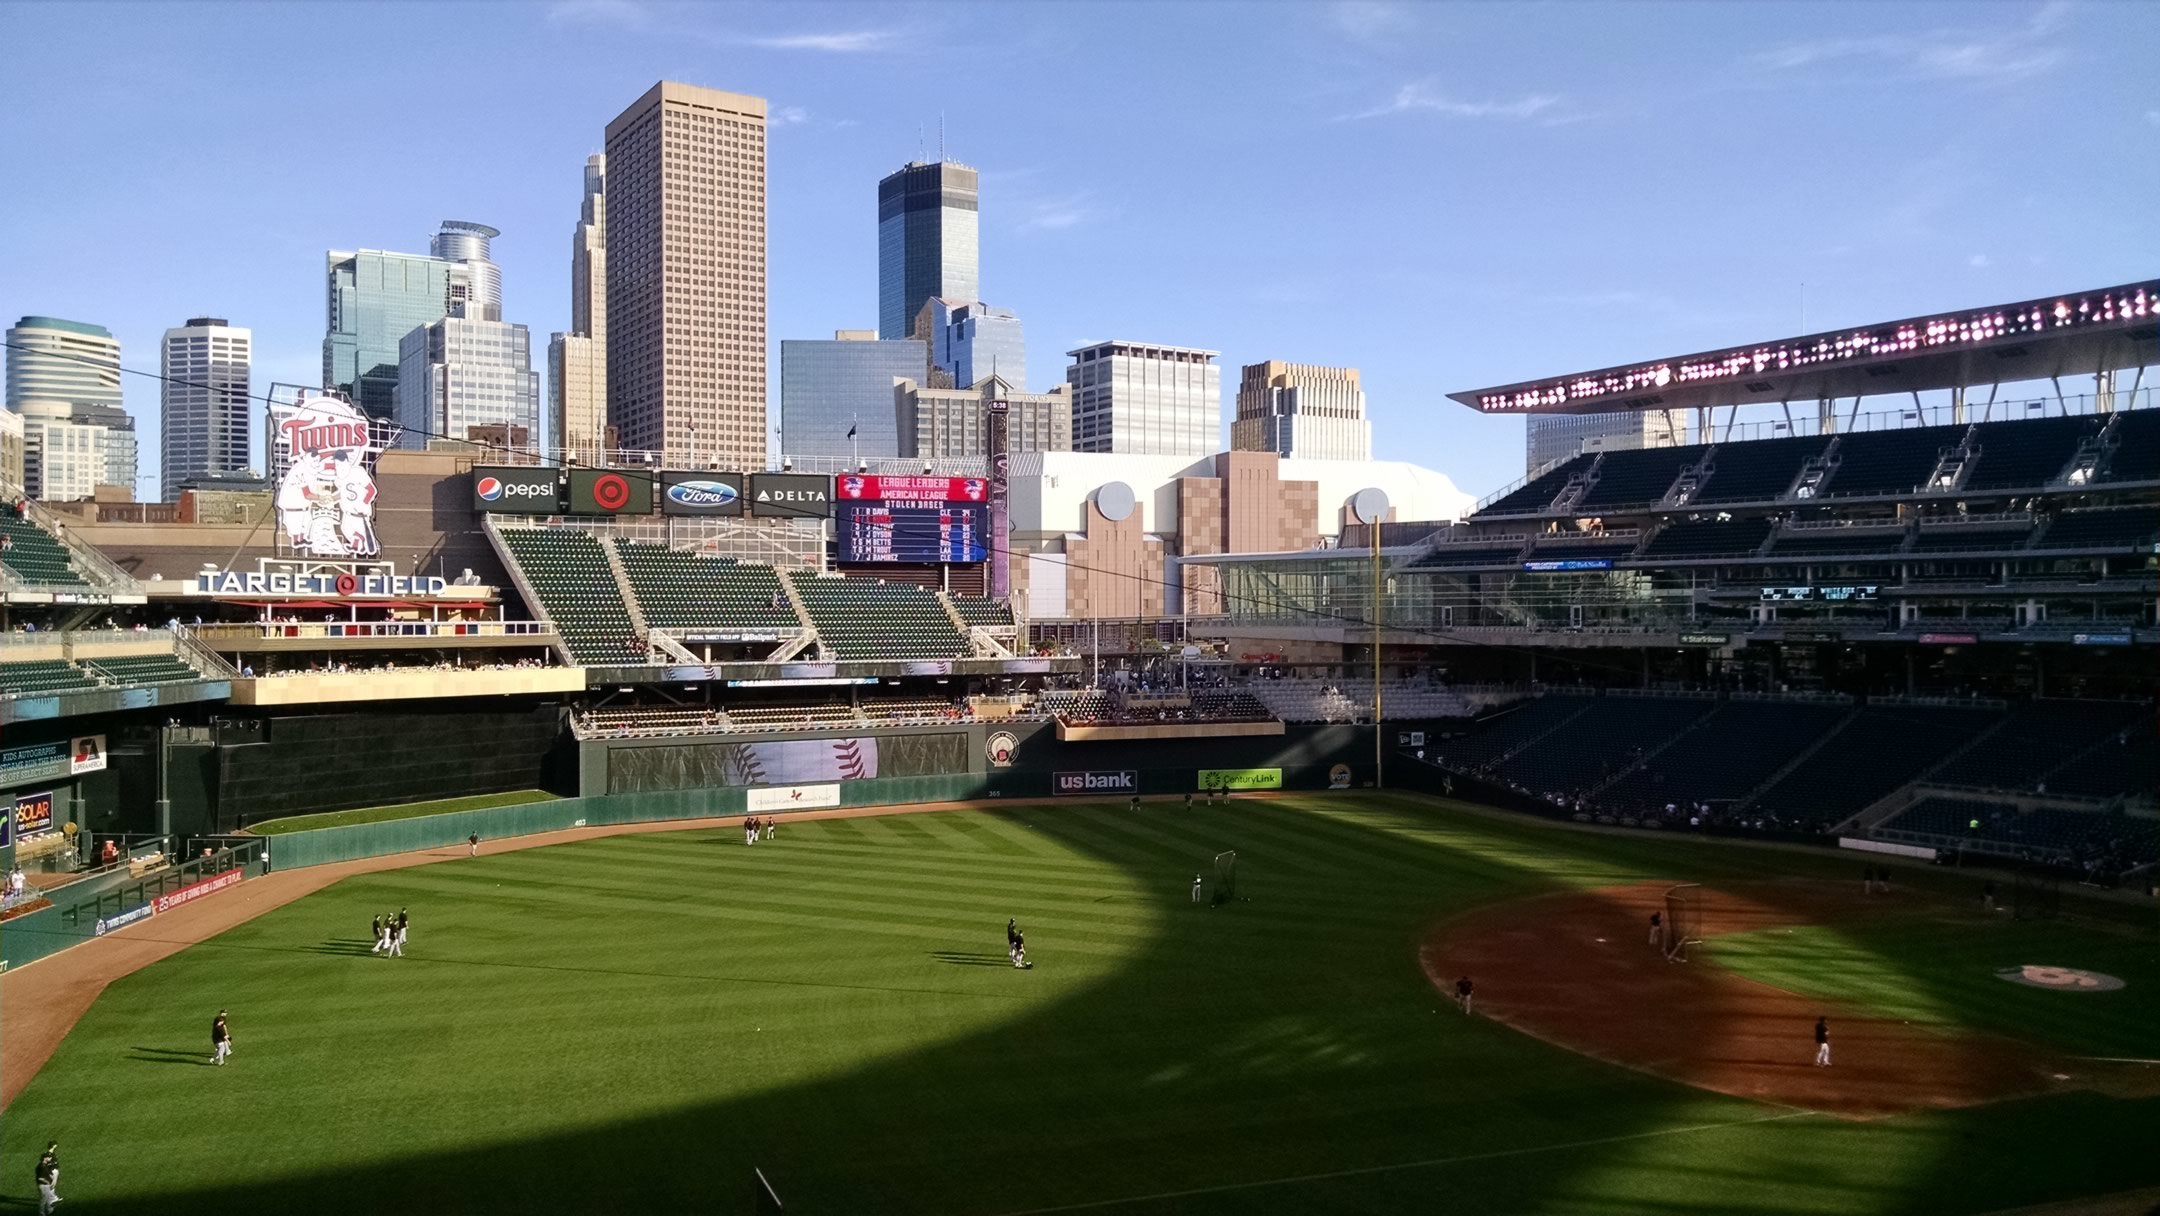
column 686, row 276
column 927, row 241
column 11, row 447
column 1300, row 410
column 63, row 377
column 970, row 340
column 1142, row 399
column 468, row 380
column 1554, row 437
column 206, row 432
column 830, row 388
column 953, row 423
column 466, row 242
column 577, row 360
column 375, row 298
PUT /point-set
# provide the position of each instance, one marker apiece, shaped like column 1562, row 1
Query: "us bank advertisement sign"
column 321, row 450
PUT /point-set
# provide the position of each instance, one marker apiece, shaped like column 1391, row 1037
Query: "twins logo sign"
column 999, row 747
column 325, row 495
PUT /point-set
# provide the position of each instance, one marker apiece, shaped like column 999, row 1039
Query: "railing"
column 98, row 570
column 1998, row 519
column 535, row 631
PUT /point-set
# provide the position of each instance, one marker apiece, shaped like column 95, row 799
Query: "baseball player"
column 1188, row 800
column 1822, row 1042
column 1657, row 923
column 48, row 1179
column 1019, row 950
column 397, row 940
column 220, row 1039
column 1196, row 888
column 1012, row 933
column 1463, row 990
column 749, row 829
column 1134, row 805
column 767, row 824
column 381, row 943
column 472, row 845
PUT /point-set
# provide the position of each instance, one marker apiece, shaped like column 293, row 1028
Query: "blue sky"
column 1446, row 196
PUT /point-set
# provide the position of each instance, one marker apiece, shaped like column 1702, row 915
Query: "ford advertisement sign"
column 701, row 494
column 517, row 490
column 1120, row 781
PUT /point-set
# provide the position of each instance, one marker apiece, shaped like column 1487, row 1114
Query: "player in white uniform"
column 356, row 504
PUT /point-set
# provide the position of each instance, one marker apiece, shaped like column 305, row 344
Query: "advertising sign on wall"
column 321, row 447
column 34, row 762
column 866, row 486
column 520, row 489
column 86, row 755
column 1120, row 781
column 1338, row 777
column 790, row 495
column 33, row 814
column 610, row 492
column 701, row 493
column 196, row 890
column 1241, row 778
column 121, row 920
column 793, row 797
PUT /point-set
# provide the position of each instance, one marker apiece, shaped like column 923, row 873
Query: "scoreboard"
column 910, row 519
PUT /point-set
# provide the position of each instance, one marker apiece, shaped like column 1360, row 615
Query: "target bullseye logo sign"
column 347, row 584
column 611, row 492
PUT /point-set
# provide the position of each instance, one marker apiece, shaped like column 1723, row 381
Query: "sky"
column 1445, row 196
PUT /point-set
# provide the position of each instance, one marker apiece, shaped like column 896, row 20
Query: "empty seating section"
column 1971, row 538
column 1888, row 462
column 2047, row 834
column 1586, row 551
column 2120, row 528
column 2039, row 736
column 143, row 669
column 2018, row 455
column 1830, row 542
column 32, row 554
column 1444, row 556
column 1078, row 704
column 981, row 611
column 1722, row 760
column 1639, row 477
column 695, row 595
column 2127, row 762
column 872, row 619
column 1538, row 493
column 1884, row 747
column 1230, row 706
column 1606, row 738
column 1757, row 471
column 1497, row 734
column 2137, row 448
column 1312, row 701
column 578, row 591
column 912, row 709
column 790, row 717
column 1708, row 538
column 40, row 676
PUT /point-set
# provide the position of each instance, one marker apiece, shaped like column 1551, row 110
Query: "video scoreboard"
column 910, row 519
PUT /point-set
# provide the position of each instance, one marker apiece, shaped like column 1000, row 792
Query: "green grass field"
column 630, row 1024
column 410, row 810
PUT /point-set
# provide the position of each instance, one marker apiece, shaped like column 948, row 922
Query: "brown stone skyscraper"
column 686, row 276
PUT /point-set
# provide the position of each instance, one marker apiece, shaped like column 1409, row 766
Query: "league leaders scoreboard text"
column 910, row 519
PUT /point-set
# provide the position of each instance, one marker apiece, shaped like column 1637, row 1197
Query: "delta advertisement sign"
column 1120, row 781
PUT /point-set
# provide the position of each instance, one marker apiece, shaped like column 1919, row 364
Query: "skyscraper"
column 927, row 241
column 830, row 388
column 1552, row 437
column 375, row 298
column 1145, row 399
column 63, row 377
column 969, row 340
column 686, row 275
column 953, row 423
column 577, row 360
column 1300, row 410
column 205, row 396
column 468, row 380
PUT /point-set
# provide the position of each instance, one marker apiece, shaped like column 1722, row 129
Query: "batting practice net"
column 1683, row 920
column 1226, row 876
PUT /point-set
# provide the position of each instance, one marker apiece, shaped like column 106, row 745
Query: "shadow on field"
column 342, row 945
column 1283, row 1057
column 172, row 1055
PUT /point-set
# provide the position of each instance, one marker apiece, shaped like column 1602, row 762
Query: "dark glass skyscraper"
column 926, row 241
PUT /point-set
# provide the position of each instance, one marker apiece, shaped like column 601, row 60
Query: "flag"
column 851, row 430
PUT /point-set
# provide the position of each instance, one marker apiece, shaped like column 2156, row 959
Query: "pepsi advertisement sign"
column 701, row 494
column 517, row 490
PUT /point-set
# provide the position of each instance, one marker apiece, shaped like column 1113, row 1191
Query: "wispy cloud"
column 1998, row 56
column 1058, row 214
column 788, row 116
column 626, row 14
column 1978, row 261
column 1422, row 96
column 1369, row 20
column 2152, row 118
column 838, row 42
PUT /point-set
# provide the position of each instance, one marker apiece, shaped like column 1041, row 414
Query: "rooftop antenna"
column 941, row 136
column 922, row 144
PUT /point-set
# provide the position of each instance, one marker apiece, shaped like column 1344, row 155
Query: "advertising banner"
column 790, row 495
column 610, row 492
column 119, row 920
column 793, row 797
column 33, row 763
column 1241, row 778
column 865, row 486
column 1705, row 639
column 701, row 494
column 87, row 755
column 1565, row 564
column 1948, row 639
column 321, row 449
column 517, row 490
column 1338, row 777
column 2099, row 639
column 1119, row 781
column 196, row 890
column 33, row 814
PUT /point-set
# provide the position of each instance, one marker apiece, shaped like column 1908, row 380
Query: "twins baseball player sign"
column 325, row 494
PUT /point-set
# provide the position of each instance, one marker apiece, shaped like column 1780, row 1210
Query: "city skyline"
column 1506, row 225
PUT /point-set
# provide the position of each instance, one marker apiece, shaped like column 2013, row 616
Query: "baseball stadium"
column 1760, row 822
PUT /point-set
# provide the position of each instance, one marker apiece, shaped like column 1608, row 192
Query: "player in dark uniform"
column 1463, row 989
column 220, row 1039
column 1657, row 923
column 1134, row 805
column 1822, row 1042
column 472, row 844
column 375, row 931
column 1188, row 800
column 48, row 1179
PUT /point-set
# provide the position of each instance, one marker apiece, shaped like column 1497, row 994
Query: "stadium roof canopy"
column 2083, row 333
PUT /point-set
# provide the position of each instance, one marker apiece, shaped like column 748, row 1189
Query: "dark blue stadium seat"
column 1889, row 462
column 1639, row 477
column 1758, row 470
column 2026, row 454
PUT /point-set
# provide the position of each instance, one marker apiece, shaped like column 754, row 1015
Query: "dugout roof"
column 2082, row 333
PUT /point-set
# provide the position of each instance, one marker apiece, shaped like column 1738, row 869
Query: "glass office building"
column 927, row 241
column 465, row 379
column 973, row 341
column 375, row 299
column 828, row 387
column 63, row 378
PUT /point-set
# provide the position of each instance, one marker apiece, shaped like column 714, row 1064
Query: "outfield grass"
column 630, row 1024
column 408, row 810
